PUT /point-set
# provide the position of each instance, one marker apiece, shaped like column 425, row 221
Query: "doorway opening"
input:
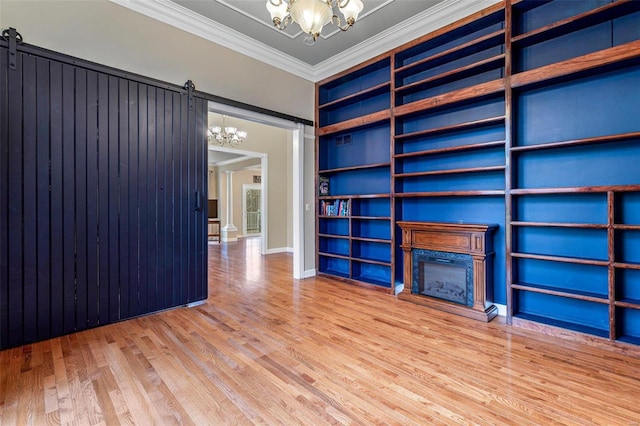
column 292, row 202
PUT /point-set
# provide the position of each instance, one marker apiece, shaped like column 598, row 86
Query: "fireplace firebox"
column 449, row 266
column 443, row 275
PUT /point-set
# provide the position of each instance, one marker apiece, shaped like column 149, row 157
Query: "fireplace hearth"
column 448, row 266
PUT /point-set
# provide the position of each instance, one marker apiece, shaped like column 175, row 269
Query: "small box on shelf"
column 323, row 186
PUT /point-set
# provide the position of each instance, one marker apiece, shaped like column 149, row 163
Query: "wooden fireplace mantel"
column 473, row 239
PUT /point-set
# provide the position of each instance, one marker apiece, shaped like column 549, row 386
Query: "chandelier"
column 226, row 135
column 312, row 15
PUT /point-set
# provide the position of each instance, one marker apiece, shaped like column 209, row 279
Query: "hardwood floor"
column 268, row 349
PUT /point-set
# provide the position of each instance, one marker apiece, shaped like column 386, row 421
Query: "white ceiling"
column 245, row 26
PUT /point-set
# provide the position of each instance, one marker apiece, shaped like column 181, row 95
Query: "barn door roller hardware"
column 190, row 87
column 13, row 37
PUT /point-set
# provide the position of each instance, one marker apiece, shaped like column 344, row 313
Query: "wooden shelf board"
column 593, row 17
column 454, row 127
column 487, row 192
column 560, row 225
column 578, row 189
column 334, row 255
column 371, row 240
column 524, row 5
column 357, row 96
column 628, row 303
column 352, row 196
column 451, row 171
column 494, row 39
column 343, row 237
column 477, row 92
column 564, row 259
column 586, row 141
column 371, row 261
column 626, row 265
column 590, row 297
column 331, row 273
column 620, row 227
column 354, row 123
column 480, row 66
column 371, row 217
column 350, row 168
column 614, row 55
column 460, row 148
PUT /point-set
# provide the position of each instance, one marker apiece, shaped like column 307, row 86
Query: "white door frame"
column 245, row 188
column 298, row 177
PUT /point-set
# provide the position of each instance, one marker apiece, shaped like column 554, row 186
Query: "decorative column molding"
column 229, row 230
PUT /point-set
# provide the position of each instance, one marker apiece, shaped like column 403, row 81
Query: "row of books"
column 335, row 208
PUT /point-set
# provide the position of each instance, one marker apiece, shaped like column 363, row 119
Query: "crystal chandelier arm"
column 341, row 4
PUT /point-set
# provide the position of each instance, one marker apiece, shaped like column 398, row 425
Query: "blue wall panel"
column 563, row 208
column 451, row 139
column 628, row 246
column 602, row 164
column 578, row 278
column 379, row 207
column 587, row 107
column 451, row 116
column 372, row 250
column 628, row 284
column 334, row 226
column 565, row 242
column 358, row 182
column 576, row 314
column 368, row 145
column 454, row 182
column 334, row 245
column 366, row 228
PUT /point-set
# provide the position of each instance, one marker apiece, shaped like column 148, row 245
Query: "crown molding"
column 184, row 19
column 441, row 14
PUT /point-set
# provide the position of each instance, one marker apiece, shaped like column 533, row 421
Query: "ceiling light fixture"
column 226, row 134
column 312, row 15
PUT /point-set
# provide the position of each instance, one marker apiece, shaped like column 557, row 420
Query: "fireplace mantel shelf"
column 475, row 240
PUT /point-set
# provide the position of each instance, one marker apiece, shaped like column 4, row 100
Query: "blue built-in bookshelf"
column 524, row 115
column 354, row 159
column 574, row 178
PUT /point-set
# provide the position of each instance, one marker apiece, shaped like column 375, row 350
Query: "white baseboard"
column 280, row 250
column 229, row 240
column 502, row 309
column 309, row 273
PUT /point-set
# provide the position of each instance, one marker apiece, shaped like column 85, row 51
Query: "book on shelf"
column 338, row 207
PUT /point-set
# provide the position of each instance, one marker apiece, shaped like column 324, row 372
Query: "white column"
column 229, row 230
column 229, row 225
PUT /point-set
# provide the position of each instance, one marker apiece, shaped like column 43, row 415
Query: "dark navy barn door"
column 102, row 179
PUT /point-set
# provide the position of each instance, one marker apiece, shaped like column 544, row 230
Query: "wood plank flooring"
column 268, row 349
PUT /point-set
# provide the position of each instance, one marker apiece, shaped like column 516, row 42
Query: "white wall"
column 109, row 34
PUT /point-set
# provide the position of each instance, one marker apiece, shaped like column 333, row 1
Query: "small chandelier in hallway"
column 226, row 135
